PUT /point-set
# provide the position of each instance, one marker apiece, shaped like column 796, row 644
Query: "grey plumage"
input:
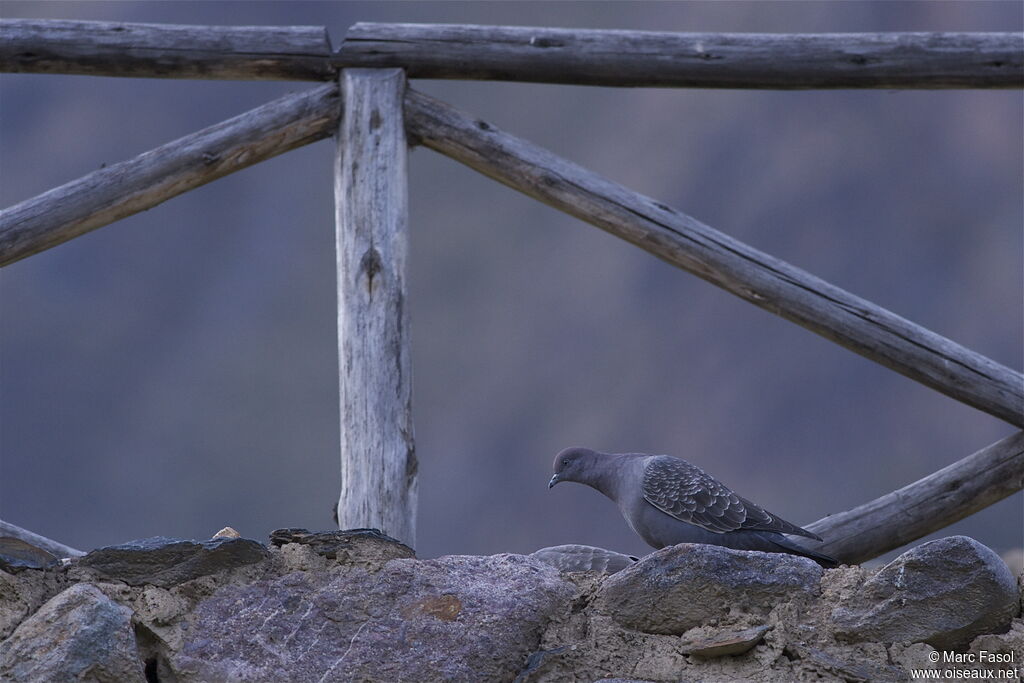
column 666, row 501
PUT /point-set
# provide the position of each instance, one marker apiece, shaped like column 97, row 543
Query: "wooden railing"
column 376, row 117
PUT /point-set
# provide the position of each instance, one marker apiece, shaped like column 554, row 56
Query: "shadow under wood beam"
column 141, row 183
column 686, row 243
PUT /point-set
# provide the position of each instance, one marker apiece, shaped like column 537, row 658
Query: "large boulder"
column 78, row 635
column 944, row 593
column 161, row 561
column 456, row 618
column 688, row 585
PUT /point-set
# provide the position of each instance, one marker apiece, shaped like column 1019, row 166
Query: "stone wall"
column 358, row 606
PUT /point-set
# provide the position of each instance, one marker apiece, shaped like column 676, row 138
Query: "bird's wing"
column 759, row 519
column 689, row 494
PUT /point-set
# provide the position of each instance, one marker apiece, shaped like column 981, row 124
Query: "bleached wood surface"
column 378, row 456
column 99, row 48
column 128, row 187
column 927, row 505
column 690, row 60
column 683, row 241
column 516, row 53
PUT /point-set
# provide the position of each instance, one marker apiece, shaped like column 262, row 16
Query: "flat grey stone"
column 722, row 643
column 684, row 586
column 78, row 635
column 944, row 593
column 352, row 546
column 455, row 618
column 167, row 562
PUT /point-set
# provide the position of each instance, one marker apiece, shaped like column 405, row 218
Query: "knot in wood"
column 539, row 41
column 369, row 266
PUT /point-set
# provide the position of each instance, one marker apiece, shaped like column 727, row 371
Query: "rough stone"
column 1006, row 644
column 366, row 547
column 78, row 635
column 166, row 562
column 583, row 558
column 537, row 660
column 709, row 643
column 854, row 666
column 684, row 586
column 295, row 557
column 456, row 618
column 159, row 606
column 23, row 593
column 943, row 593
column 299, row 615
column 990, row 656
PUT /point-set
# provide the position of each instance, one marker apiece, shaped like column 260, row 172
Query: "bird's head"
column 573, row 464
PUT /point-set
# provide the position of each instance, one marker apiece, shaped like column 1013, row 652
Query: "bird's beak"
column 554, row 480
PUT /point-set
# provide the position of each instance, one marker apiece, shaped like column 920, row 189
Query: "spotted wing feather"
column 689, row 494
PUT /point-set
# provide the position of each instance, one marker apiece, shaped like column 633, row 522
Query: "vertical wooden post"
column 378, row 458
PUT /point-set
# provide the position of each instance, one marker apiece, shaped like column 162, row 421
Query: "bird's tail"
column 791, row 547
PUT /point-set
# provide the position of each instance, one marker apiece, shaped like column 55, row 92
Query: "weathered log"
column 49, row 545
column 927, row 505
column 378, row 457
column 683, row 241
column 690, row 60
column 99, row 48
column 547, row 55
column 128, row 187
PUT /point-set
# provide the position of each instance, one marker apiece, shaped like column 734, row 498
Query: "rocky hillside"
column 358, row 606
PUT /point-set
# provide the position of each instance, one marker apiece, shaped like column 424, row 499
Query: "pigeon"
column 666, row 501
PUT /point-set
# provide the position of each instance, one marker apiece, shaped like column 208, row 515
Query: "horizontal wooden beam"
column 927, row 505
column 125, row 188
column 99, row 48
column 513, row 53
column 49, row 545
column 690, row 60
column 759, row 278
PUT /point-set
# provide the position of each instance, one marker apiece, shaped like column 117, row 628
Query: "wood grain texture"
column 927, row 505
column 690, row 60
column 757, row 277
column 378, row 456
column 49, row 545
column 98, row 48
column 125, row 188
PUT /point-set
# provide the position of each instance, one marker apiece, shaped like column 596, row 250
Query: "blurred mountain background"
column 176, row 372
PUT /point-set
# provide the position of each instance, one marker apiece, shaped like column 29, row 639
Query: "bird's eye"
column 565, row 463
